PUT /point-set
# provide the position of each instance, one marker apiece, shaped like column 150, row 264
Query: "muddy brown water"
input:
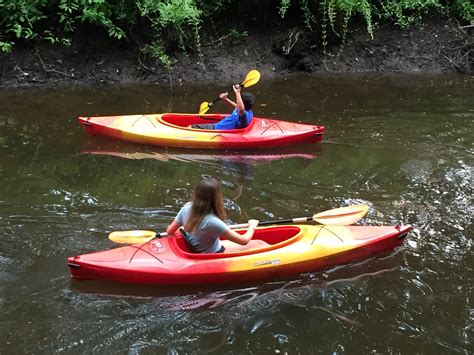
column 402, row 144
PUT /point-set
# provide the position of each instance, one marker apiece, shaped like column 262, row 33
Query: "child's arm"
column 224, row 97
column 240, row 104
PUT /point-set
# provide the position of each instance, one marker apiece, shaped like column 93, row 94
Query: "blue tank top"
column 205, row 239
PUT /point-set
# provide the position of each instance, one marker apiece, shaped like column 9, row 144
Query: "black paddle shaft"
column 212, row 103
column 283, row 221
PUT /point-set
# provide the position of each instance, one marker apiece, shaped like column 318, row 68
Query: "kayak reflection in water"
column 201, row 222
column 240, row 117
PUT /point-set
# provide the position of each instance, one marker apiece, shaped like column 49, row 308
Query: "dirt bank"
column 436, row 46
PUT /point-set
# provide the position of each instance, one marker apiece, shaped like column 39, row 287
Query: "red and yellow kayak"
column 283, row 251
column 171, row 130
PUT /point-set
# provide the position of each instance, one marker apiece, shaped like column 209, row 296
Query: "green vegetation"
column 176, row 24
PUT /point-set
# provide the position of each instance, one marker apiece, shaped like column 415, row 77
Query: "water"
column 401, row 144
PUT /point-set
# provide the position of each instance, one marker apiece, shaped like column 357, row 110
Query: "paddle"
column 342, row 216
column 252, row 78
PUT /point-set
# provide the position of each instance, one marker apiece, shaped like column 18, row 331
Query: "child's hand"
column 223, row 96
column 236, row 88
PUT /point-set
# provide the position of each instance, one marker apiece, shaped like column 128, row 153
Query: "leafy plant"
column 157, row 50
column 172, row 15
column 283, row 8
column 465, row 9
column 5, row 46
column 173, row 19
column 97, row 12
column 406, row 12
column 19, row 17
column 177, row 24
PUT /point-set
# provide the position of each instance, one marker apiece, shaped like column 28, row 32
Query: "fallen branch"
column 51, row 70
column 220, row 39
column 142, row 66
column 292, row 39
column 453, row 63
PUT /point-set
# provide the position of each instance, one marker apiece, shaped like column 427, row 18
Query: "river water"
column 401, row 144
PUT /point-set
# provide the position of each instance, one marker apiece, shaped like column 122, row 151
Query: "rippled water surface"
column 401, row 144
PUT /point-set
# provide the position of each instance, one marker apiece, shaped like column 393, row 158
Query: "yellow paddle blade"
column 252, row 78
column 343, row 216
column 132, row 237
column 203, row 108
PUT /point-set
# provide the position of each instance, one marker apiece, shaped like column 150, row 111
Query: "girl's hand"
column 253, row 223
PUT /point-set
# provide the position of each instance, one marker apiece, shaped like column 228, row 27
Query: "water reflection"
column 208, row 318
column 252, row 156
column 237, row 163
column 186, row 298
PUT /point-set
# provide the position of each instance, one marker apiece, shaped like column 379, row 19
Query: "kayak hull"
column 289, row 251
column 171, row 130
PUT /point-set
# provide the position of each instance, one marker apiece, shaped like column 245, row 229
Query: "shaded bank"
column 437, row 45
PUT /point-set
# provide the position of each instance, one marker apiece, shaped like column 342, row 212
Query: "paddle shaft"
column 279, row 221
column 210, row 104
column 242, row 83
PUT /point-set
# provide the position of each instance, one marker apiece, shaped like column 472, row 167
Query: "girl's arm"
column 242, row 239
column 173, row 227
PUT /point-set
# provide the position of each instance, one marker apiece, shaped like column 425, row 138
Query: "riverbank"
column 438, row 45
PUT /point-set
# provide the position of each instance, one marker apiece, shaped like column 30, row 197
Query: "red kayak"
column 281, row 251
column 171, row 130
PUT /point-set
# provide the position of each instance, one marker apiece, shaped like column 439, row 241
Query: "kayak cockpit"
column 183, row 121
column 267, row 239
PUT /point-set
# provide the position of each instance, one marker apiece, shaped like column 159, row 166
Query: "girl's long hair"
column 207, row 198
